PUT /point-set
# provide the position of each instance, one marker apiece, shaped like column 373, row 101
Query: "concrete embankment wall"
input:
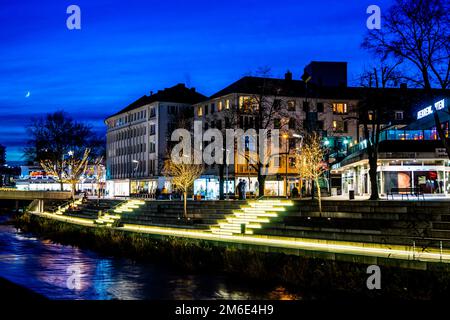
column 419, row 223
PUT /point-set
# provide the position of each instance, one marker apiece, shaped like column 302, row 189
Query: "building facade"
column 137, row 140
column 299, row 109
column 411, row 157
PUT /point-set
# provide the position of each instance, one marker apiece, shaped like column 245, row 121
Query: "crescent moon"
column 28, row 94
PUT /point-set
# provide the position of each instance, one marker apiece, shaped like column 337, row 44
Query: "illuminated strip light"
column 268, row 214
column 365, row 249
column 262, row 209
column 244, row 220
column 65, row 218
column 272, row 202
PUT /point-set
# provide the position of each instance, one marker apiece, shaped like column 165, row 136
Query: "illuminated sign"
column 429, row 110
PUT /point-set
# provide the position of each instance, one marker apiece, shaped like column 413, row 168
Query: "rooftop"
column 176, row 94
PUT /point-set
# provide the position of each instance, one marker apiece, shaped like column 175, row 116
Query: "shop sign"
column 429, row 110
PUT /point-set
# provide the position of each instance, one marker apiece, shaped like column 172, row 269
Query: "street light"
column 286, row 137
column 226, row 172
column 137, row 162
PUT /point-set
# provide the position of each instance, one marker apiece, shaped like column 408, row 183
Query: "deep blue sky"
column 125, row 49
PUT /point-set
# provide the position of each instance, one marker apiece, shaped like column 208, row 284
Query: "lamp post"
column 137, row 162
column 226, row 173
column 286, row 138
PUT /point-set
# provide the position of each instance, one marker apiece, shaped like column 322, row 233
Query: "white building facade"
column 137, row 139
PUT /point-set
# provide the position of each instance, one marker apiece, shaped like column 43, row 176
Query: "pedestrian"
column 244, row 191
column 294, row 192
column 239, row 189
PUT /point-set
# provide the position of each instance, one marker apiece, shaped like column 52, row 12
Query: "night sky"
column 125, row 49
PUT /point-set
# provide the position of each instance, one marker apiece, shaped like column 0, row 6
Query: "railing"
column 400, row 135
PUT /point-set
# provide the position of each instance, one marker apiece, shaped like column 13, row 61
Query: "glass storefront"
column 207, row 188
column 274, row 188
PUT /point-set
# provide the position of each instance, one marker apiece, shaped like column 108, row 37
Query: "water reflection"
column 43, row 267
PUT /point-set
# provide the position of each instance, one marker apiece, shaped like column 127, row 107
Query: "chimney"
column 288, row 76
column 193, row 89
column 403, row 85
column 151, row 93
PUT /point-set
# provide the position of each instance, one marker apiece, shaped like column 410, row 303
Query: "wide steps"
column 253, row 215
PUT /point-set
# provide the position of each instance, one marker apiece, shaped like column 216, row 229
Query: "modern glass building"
column 412, row 157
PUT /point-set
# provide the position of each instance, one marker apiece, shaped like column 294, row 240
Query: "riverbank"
column 325, row 279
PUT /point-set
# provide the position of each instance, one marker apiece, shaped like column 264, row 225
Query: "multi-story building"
column 298, row 108
column 321, row 102
column 408, row 157
column 137, row 139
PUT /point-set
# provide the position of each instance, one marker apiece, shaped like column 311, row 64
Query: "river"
column 46, row 268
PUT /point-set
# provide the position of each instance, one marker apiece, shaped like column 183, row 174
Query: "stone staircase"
column 422, row 224
column 113, row 216
column 201, row 214
column 62, row 209
column 253, row 215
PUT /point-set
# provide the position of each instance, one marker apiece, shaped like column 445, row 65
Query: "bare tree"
column 375, row 114
column 68, row 170
column 266, row 109
column 417, row 32
column 183, row 176
column 311, row 163
column 52, row 137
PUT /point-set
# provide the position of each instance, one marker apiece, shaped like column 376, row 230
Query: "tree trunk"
column 373, row 178
column 319, row 196
column 441, row 133
column 74, row 185
column 261, row 183
column 221, row 182
column 185, row 205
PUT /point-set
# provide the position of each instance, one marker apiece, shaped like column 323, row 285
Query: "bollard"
column 243, row 228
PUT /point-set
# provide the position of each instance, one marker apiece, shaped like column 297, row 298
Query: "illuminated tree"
column 68, row 170
column 183, row 176
column 312, row 164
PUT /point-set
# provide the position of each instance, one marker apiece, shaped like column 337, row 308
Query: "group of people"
column 241, row 189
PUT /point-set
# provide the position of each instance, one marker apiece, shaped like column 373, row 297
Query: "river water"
column 48, row 268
